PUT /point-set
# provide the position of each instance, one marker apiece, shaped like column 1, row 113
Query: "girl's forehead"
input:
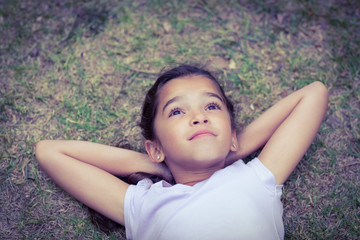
column 182, row 85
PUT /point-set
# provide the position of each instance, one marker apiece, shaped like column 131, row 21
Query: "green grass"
column 79, row 70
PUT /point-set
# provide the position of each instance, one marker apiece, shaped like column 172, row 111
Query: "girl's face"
column 192, row 125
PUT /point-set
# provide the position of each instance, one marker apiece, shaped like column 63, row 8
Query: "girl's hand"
column 165, row 173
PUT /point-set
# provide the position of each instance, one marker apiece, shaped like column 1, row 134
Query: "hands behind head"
column 164, row 172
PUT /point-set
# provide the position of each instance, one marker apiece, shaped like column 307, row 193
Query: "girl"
column 188, row 124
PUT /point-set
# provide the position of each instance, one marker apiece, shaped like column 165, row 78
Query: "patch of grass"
column 79, row 70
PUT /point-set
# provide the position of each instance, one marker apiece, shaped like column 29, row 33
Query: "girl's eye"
column 175, row 112
column 213, row 106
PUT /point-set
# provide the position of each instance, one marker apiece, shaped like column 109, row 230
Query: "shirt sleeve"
column 133, row 199
column 265, row 176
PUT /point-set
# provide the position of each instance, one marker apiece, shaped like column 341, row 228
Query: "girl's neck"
column 191, row 178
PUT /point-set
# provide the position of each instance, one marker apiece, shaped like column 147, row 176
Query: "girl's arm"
column 85, row 169
column 286, row 129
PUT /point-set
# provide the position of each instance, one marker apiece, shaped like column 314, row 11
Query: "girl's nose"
column 199, row 118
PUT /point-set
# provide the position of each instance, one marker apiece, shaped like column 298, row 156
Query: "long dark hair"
column 149, row 111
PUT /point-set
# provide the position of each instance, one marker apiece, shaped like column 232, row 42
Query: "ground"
column 79, row 70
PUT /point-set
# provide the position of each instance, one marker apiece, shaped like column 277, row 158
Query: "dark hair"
column 150, row 105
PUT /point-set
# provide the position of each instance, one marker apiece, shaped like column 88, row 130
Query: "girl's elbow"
column 321, row 90
column 319, row 93
column 40, row 150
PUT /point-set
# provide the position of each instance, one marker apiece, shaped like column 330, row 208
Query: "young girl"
column 188, row 124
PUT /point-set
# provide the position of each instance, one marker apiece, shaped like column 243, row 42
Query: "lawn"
column 79, row 70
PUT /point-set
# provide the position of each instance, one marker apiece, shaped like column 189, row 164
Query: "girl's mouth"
column 202, row 133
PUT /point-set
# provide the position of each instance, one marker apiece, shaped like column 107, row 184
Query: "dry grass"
column 79, row 70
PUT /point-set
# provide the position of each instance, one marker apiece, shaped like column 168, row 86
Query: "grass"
column 78, row 70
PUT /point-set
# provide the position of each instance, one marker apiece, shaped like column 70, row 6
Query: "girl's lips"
column 201, row 134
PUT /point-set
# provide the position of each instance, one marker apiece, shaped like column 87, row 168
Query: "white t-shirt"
column 241, row 201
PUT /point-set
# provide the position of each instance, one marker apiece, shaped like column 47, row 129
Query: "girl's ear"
column 154, row 151
column 234, row 142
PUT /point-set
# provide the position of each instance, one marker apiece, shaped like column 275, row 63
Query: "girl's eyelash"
column 213, row 104
column 172, row 111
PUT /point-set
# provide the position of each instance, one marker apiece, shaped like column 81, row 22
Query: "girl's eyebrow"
column 169, row 102
column 209, row 94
